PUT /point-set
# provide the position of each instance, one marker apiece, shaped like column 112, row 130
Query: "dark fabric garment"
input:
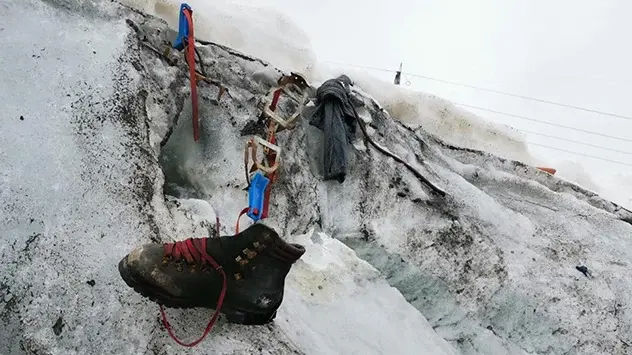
column 334, row 115
column 398, row 78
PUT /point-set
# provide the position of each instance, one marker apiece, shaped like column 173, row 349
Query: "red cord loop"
column 194, row 250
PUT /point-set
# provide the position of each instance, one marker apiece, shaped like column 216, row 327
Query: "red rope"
column 190, row 55
column 194, row 249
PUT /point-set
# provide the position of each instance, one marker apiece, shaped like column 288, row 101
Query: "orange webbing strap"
column 243, row 212
column 190, row 55
column 271, row 156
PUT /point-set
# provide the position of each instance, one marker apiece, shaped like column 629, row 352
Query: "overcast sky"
column 575, row 52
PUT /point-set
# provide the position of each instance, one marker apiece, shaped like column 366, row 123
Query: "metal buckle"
column 252, row 145
column 293, row 86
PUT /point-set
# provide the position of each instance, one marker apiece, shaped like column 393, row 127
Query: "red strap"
column 272, row 177
column 243, row 212
column 191, row 61
column 266, row 201
column 275, row 99
column 271, row 159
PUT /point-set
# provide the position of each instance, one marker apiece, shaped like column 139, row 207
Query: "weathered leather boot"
column 190, row 273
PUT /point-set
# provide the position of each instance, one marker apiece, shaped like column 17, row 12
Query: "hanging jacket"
column 334, row 115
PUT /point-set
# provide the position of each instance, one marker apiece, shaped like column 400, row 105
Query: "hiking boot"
column 251, row 266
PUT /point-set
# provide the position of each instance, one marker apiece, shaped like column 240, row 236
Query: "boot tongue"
column 279, row 248
column 285, row 251
column 223, row 248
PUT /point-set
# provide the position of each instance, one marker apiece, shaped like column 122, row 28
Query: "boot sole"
column 154, row 294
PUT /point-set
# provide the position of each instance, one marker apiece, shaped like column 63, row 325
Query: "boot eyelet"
column 249, row 253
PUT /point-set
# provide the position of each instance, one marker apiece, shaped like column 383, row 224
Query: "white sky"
column 574, row 52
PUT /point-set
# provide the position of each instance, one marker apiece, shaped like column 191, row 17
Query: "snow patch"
column 338, row 303
column 255, row 30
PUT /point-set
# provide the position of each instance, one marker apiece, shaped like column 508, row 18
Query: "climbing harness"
column 263, row 172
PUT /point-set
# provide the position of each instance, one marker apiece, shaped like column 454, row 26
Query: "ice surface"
column 490, row 269
column 81, row 186
column 337, row 303
column 76, row 187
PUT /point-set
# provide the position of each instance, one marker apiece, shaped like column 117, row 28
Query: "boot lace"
column 194, row 250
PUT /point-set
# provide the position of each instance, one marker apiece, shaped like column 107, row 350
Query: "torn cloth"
column 334, row 115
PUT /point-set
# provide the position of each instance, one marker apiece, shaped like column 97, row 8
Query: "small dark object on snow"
column 58, row 326
column 398, row 75
column 334, row 115
column 91, row 283
column 21, row 118
column 255, row 261
column 583, row 270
